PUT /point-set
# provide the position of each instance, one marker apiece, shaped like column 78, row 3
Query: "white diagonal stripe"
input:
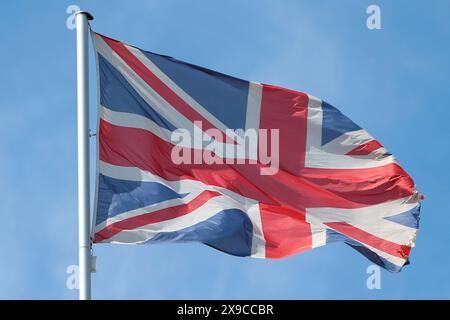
column 192, row 188
column 176, row 89
column 150, row 96
column 329, row 156
column 370, row 219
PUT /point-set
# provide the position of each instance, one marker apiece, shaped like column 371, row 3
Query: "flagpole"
column 84, row 253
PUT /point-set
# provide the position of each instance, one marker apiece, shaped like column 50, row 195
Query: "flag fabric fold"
column 328, row 180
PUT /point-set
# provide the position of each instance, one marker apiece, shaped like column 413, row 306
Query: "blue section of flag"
column 334, row 123
column 333, row 236
column 118, row 95
column 223, row 96
column 409, row 218
column 372, row 256
column 229, row 231
column 118, row 196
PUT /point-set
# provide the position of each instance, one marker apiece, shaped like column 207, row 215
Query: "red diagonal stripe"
column 160, row 87
column 365, row 149
column 364, row 237
column 154, row 217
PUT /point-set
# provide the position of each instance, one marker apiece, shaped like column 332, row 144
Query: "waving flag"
column 328, row 179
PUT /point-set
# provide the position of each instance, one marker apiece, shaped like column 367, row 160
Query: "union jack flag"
column 334, row 183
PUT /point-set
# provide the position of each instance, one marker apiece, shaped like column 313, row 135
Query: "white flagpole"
column 84, row 258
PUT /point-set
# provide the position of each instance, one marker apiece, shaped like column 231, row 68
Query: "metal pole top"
column 88, row 15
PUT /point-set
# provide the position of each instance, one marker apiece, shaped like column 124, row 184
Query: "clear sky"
column 394, row 82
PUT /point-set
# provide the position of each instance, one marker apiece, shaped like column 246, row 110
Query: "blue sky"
column 394, row 82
